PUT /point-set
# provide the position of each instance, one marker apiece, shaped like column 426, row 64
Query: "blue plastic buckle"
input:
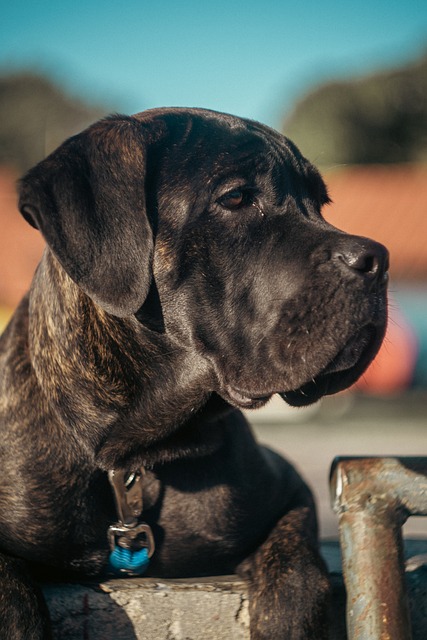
column 133, row 563
column 131, row 548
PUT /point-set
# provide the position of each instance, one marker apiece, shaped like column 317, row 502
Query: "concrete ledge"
column 144, row 608
column 202, row 609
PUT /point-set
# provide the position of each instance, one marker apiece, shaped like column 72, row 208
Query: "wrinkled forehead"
column 216, row 147
column 209, row 138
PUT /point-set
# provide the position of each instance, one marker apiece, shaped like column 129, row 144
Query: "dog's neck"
column 124, row 389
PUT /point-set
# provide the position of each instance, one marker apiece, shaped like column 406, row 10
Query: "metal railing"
column 373, row 497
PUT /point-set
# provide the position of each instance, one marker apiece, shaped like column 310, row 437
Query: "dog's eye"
column 235, row 199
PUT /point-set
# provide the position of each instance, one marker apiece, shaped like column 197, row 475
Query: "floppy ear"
column 88, row 200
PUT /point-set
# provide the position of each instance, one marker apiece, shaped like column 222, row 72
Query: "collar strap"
column 131, row 541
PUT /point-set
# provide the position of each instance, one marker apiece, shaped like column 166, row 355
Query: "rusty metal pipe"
column 373, row 497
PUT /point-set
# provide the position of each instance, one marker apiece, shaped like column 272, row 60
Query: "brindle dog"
column 188, row 273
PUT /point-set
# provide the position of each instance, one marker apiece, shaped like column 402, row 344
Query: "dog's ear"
column 88, row 200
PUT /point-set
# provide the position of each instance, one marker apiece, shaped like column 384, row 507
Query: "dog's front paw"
column 288, row 584
column 290, row 605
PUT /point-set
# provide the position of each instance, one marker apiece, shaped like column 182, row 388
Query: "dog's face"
column 211, row 226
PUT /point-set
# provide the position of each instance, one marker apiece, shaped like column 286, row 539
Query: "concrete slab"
column 199, row 609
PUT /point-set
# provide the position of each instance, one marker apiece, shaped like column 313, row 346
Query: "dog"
column 188, row 274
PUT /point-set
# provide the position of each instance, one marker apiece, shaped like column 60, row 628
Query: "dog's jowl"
column 188, row 273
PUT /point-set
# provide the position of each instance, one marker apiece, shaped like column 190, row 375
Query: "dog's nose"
column 365, row 257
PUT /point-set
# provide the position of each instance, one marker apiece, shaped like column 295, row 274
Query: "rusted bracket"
column 373, row 497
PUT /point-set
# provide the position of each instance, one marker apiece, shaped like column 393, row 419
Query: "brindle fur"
column 156, row 312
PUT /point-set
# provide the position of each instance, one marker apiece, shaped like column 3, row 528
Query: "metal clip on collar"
column 131, row 542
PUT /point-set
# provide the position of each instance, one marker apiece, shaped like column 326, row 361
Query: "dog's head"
column 209, row 228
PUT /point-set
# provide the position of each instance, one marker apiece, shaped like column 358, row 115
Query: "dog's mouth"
column 343, row 371
column 242, row 399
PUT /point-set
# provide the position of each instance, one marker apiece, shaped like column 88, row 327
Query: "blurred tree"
column 380, row 118
column 35, row 116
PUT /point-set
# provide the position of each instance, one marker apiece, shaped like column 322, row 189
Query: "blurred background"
column 346, row 81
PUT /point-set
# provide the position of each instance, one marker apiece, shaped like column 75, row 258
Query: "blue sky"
column 253, row 58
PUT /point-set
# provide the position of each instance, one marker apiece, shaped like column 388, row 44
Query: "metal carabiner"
column 131, row 542
column 134, row 538
column 127, row 489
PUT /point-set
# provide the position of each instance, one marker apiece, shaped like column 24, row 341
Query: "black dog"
column 188, row 273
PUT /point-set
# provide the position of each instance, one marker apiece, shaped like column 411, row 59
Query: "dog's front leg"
column 288, row 581
column 23, row 612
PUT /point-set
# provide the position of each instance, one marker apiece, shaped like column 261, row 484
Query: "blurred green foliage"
column 380, row 118
column 36, row 116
